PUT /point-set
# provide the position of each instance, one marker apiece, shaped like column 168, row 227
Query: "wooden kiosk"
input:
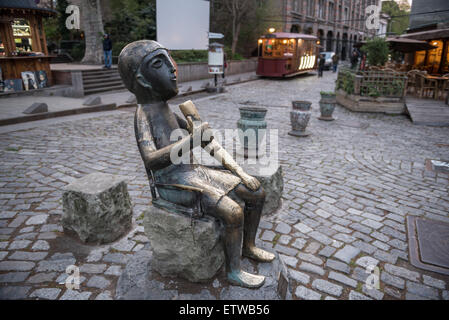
column 23, row 46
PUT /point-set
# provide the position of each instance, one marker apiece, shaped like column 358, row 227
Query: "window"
column 297, row 5
column 331, row 16
column 346, row 18
column 322, row 9
column 311, row 8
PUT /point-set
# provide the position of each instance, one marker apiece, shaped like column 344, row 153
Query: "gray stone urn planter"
column 252, row 127
column 327, row 106
column 299, row 118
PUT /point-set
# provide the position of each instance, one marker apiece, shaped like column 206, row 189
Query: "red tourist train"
column 283, row 54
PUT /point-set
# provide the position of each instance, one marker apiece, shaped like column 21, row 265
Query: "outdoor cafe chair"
column 426, row 85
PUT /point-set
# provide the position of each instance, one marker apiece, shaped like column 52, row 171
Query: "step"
column 104, row 89
column 99, row 70
column 103, row 84
column 99, row 73
column 103, row 79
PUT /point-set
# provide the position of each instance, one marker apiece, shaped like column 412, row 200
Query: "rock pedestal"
column 190, row 249
column 138, row 281
column 97, row 208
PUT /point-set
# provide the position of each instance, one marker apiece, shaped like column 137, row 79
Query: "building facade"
column 429, row 21
column 339, row 24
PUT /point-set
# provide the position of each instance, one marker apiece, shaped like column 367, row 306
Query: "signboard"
column 183, row 24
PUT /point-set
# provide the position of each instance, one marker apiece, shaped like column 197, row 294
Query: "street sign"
column 213, row 35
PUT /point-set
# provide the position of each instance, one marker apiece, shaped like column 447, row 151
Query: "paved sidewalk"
column 349, row 187
column 13, row 107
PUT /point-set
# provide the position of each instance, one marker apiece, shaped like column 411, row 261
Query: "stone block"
column 97, row 208
column 92, row 101
column 181, row 247
column 37, row 107
column 271, row 180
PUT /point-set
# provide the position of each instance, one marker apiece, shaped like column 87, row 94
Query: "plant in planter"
column 327, row 105
column 376, row 51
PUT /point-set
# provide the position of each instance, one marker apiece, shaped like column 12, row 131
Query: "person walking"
column 334, row 62
column 107, row 49
column 321, row 62
column 354, row 59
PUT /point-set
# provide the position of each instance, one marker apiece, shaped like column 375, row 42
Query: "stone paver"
column 347, row 253
column 347, row 190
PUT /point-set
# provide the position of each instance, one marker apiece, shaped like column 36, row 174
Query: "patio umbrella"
column 408, row 45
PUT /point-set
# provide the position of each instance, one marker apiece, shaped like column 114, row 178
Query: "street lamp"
column 271, row 30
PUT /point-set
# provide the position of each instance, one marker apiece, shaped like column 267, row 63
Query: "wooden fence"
column 373, row 83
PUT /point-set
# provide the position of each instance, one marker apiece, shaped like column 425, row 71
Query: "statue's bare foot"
column 258, row 254
column 245, row 279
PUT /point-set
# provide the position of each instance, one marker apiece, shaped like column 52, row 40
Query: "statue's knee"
column 234, row 216
column 260, row 193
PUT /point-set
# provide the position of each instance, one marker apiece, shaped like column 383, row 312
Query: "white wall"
column 183, row 24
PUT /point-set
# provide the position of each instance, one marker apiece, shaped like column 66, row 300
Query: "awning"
column 428, row 35
column 408, row 45
column 402, row 44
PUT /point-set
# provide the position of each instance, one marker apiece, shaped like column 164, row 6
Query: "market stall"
column 24, row 58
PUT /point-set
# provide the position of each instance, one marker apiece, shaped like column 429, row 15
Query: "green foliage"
column 327, row 93
column 230, row 56
column 345, row 81
column 376, row 51
column 131, row 20
column 77, row 51
column 56, row 30
column 400, row 20
column 117, row 47
column 181, row 56
column 373, row 91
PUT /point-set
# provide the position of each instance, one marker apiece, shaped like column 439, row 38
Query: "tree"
column 260, row 15
column 238, row 11
column 92, row 24
column 131, row 20
column 376, row 51
column 399, row 15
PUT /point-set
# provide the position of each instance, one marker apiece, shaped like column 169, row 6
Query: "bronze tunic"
column 215, row 183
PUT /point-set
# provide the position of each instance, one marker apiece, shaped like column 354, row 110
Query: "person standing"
column 321, row 65
column 107, row 49
column 334, row 62
column 354, row 59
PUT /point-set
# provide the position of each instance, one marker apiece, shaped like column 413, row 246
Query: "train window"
column 271, row 48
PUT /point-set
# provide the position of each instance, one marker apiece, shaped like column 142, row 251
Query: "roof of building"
column 428, row 13
column 28, row 5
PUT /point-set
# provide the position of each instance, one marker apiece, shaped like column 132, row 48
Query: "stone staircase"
column 101, row 80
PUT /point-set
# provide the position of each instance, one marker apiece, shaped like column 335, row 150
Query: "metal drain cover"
column 429, row 244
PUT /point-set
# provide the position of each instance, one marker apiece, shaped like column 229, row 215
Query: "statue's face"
column 160, row 71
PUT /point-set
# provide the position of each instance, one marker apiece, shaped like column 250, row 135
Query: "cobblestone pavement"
column 348, row 188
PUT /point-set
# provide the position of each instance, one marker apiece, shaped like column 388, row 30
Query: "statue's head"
column 148, row 71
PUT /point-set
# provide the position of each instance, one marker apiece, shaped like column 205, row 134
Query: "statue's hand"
column 201, row 129
column 249, row 181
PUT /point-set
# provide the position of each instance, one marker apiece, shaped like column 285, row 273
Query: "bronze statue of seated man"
column 148, row 71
